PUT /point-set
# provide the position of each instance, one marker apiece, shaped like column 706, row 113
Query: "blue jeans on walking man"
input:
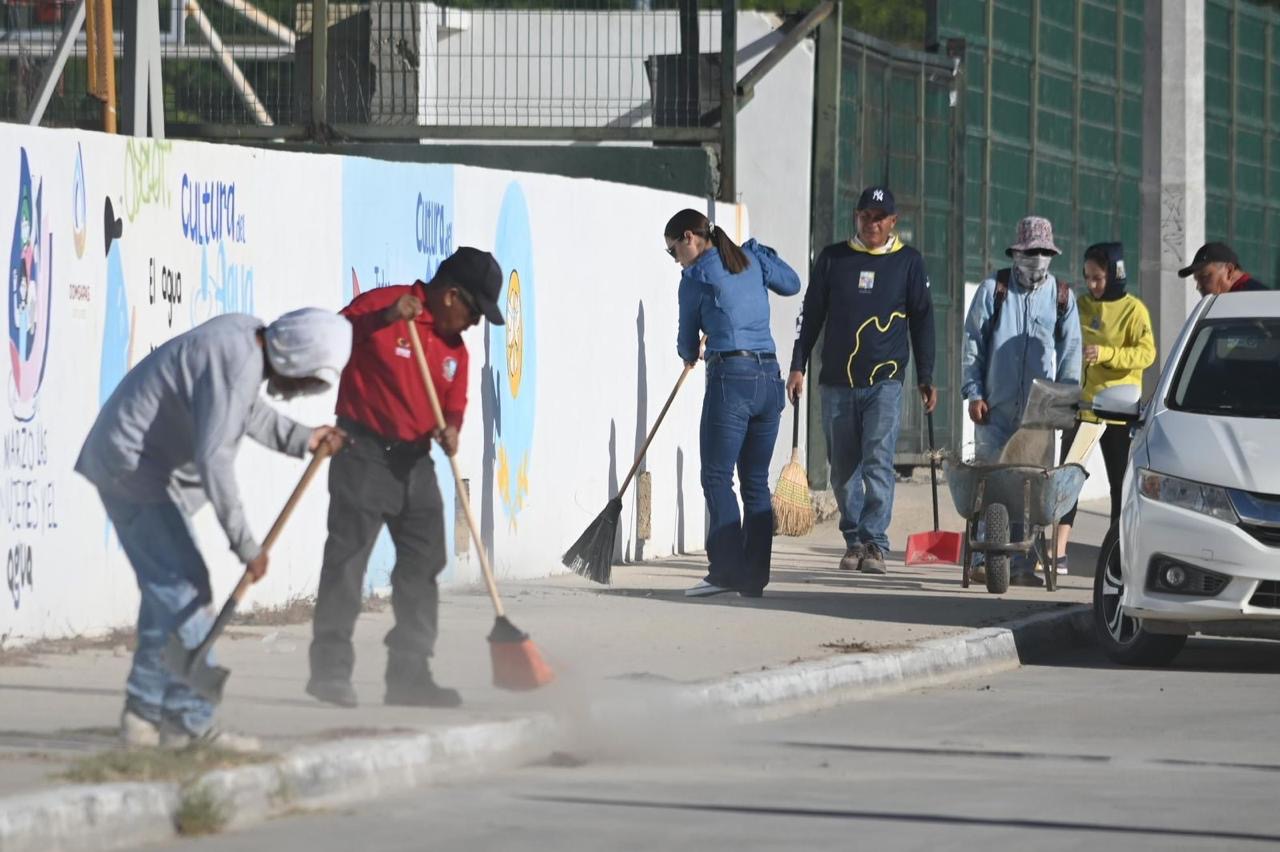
column 174, row 586
column 740, row 414
column 861, row 427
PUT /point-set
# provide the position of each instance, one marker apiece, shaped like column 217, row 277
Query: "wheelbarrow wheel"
column 996, row 520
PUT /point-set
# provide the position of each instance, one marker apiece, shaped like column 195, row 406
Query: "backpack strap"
column 1064, row 298
column 1002, row 292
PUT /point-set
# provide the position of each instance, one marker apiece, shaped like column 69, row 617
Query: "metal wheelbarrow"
column 998, row 494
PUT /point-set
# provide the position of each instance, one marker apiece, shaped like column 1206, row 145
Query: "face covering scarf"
column 1033, row 268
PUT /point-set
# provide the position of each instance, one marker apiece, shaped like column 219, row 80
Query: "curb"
column 113, row 816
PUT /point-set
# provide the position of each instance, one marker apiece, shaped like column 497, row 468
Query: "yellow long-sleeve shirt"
column 1121, row 330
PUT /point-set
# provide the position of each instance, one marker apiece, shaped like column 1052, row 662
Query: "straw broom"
column 792, row 506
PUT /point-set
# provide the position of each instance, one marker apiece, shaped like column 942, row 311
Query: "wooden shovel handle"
column 246, row 579
column 463, row 497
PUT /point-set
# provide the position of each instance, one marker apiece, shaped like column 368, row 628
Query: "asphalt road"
column 1076, row 754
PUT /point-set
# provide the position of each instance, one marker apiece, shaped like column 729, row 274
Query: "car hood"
column 1234, row 452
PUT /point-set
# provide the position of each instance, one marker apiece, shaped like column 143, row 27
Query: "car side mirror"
column 1121, row 402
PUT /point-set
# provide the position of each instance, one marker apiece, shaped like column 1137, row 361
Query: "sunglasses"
column 1040, row 252
column 468, row 300
column 671, row 251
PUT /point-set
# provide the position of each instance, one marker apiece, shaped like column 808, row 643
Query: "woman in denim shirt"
column 723, row 292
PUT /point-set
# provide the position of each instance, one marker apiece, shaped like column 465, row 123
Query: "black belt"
column 390, row 446
column 713, row 357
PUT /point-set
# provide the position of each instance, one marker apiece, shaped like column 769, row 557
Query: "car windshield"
column 1231, row 368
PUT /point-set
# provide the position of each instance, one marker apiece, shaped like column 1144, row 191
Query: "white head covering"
column 309, row 342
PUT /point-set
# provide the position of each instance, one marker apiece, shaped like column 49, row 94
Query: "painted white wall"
column 304, row 229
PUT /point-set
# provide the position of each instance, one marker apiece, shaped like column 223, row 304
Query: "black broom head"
column 592, row 554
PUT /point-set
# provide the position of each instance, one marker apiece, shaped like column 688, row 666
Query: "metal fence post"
column 319, row 67
column 822, row 224
column 728, row 101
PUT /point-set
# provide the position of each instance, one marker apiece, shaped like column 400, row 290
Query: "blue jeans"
column 861, row 426
column 740, row 414
column 174, row 585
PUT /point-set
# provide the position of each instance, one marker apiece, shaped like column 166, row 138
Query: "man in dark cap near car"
column 386, row 476
column 1217, row 270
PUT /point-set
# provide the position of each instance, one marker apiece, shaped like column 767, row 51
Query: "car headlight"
column 1206, row 499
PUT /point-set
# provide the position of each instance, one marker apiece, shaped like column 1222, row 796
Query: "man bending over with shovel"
column 164, row 443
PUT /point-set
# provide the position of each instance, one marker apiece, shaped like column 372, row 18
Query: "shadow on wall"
column 613, row 482
column 642, row 410
column 491, row 417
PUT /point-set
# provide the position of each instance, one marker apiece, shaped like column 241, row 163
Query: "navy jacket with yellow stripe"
column 871, row 303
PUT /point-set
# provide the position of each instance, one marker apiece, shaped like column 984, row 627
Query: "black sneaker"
column 1026, row 578
column 410, row 684
column 852, row 557
column 422, row 693
column 872, row 560
column 333, row 691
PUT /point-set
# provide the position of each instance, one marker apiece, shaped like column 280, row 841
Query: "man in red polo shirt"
column 386, row 475
column 1217, row 270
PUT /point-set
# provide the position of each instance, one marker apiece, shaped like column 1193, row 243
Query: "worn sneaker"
column 1062, row 566
column 1026, row 578
column 333, row 691
column 137, row 732
column 176, row 738
column 872, row 560
column 422, row 693
column 705, row 589
column 852, row 557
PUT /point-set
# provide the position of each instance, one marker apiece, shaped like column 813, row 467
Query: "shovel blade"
column 193, row 669
column 937, row 546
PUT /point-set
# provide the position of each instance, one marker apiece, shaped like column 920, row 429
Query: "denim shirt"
column 999, row 364
column 732, row 309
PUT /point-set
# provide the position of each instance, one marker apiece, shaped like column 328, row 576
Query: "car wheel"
column 996, row 521
column 1122, row 637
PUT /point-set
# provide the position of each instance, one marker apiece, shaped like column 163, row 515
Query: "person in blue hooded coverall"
column 1028, row 341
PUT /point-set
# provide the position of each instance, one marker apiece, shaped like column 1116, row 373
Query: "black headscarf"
column 1114, row 262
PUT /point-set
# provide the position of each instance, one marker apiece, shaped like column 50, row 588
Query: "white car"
column 1198, row 545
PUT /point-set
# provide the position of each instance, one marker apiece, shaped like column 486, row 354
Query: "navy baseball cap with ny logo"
column 877, row 198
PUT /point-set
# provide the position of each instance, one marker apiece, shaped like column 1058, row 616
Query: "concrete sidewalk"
column 607, row 644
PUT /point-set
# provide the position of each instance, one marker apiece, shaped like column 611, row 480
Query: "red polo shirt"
column 381, row 387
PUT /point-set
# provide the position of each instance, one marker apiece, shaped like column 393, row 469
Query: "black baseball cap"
column 478, row 273
column 877, row 198
column 1209, row 253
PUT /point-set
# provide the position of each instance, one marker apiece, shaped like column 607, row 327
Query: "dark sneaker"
column 422, row 693
column 339, row 692
column 872, row 560
column 410, row 684
column 1026, row 578
column 852, row 557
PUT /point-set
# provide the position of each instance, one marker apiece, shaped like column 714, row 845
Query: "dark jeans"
column 1115, row 442
column 740, row 414
column 862, row 434
column 369, row 486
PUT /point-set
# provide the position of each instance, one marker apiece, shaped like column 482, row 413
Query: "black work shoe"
column 339, row 692
column 852, row 557
column 872, row 560
column 423, row 693
column 1026, row 578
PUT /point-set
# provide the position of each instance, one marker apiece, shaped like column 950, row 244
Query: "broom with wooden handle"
column 517, row 663
column 592, row 554
column 792, row 504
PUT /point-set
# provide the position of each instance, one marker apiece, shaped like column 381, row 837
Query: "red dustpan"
column 927, row 548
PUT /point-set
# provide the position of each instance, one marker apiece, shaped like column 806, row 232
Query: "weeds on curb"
column 200, row 811
column 156, row 764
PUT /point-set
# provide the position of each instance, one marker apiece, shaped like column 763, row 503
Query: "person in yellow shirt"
column 1118, row 347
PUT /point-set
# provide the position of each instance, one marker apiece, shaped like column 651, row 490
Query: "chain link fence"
column 410, row 68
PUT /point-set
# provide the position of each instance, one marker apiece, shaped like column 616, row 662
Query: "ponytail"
column 696, row 223
column 730, row 254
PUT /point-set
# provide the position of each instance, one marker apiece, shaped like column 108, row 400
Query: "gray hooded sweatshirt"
column 171, row 428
